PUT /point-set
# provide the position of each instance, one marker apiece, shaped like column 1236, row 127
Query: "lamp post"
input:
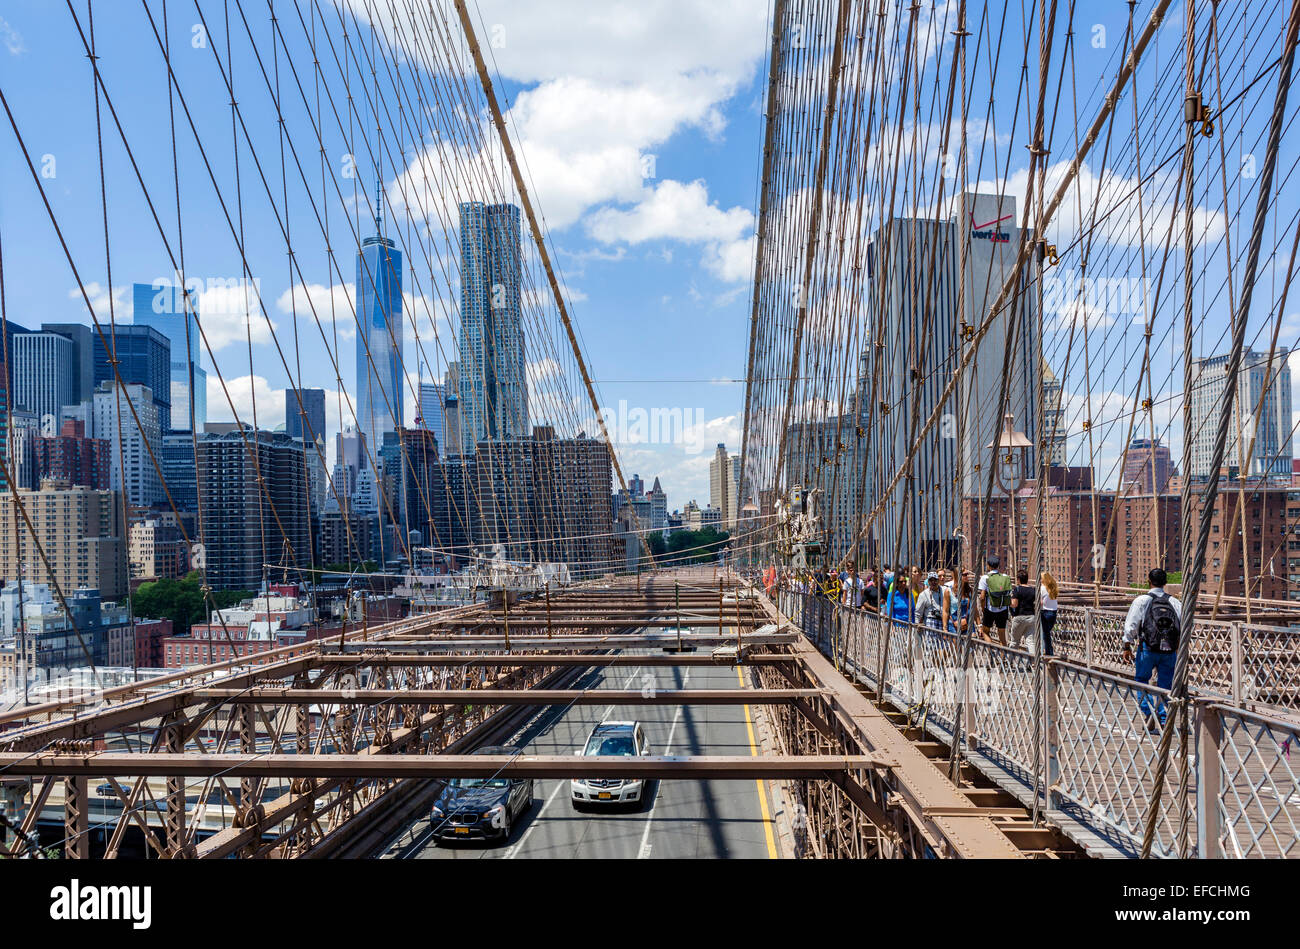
column 1009, row 463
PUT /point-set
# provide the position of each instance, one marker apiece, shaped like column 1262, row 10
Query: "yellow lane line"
column 762, row 793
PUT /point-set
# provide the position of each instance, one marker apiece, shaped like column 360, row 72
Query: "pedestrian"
column 1047, row 594
column 871, row 594
column 1022, row 610
column 995, row 600
column 898, row 603
column 1154, row 622
column 956, row 600
column 854, row 588
column 929, row 604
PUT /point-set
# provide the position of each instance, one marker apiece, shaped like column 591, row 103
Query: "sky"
column 641, row 127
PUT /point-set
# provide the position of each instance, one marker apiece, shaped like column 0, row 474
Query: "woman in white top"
column 1047, row 593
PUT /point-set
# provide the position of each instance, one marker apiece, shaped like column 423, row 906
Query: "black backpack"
column 1161, row 625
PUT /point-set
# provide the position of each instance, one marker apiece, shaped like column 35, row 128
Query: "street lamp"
column 1009, row 465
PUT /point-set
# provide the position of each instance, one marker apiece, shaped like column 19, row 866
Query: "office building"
column 1264, row 424
column 72, row 457
column 136, row 440
column 143, row 358
column 24, row 432
column 305, row 421
column 1148, row 467
column 81, row 531
column 179, row 471
column 248, row 523
column 380, row 383
column 493, row 391
column 915, row 281
column 724, row 485
column 45, row 373
column 433, row 411
column 83, row 339
column 162, row 307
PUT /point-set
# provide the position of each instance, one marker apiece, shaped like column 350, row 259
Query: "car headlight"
column 437, row 813
column 494, row 811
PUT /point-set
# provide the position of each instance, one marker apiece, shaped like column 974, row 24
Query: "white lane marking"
column 537, row 819
column 644, row 850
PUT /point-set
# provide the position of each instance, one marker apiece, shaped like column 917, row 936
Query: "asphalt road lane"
column 680, row 819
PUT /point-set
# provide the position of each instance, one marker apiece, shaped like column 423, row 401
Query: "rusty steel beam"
column 568, row 659
column 622, row 641
column 700, row 767
column 428, row 697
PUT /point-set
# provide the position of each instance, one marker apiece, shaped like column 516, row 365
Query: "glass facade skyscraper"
column 493, row 392
column 143, row 358
column 379, row 312
column 161, row 306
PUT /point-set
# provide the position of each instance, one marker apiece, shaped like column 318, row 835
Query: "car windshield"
column 611, row 745
column 480, row 782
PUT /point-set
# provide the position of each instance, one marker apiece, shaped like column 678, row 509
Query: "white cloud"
column 246, row 393
column 98, row 294
column 334, row 306
column 232, row 314
column 682, row 212
column 11, row 38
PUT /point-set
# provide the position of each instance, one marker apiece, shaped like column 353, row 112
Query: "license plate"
column 462, row 830
column 604, row 796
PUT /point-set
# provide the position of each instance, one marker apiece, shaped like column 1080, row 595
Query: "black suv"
column 481, row 808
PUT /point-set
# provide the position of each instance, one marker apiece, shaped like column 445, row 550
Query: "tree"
column 181, row 601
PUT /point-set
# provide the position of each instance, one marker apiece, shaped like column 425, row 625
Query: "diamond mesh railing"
column 1097, row 745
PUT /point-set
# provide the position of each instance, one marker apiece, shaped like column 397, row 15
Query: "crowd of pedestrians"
column 1021, row 614
column 950, row 599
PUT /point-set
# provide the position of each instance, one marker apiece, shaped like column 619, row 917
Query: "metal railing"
column 1082, row 729
column 1253, row 665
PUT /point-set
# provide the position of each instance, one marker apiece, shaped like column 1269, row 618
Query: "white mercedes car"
column 611, row 739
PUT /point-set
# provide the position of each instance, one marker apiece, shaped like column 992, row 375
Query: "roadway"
column 680, row 819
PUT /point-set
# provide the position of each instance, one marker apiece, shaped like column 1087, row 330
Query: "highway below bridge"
column 679, row 819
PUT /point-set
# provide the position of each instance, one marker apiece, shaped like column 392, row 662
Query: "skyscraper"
column 379, row 346
column 1265, row 426
column 493, row 391
column 1055, row 424
column 134, row 447
column 84, row 340
column 45, row 372
column 433, row 411
column 1148, row 467
column 914, row 268
column 143, row 358
column 161, row 306
column 306, row 422
column 724, row 485
column 255, row 513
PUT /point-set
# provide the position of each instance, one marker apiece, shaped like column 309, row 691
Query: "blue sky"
column 659, row 265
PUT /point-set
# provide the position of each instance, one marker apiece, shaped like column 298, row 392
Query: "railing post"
column 1209, row 821
column 1236, row 663
column 1051, row 746
column 1087, row 638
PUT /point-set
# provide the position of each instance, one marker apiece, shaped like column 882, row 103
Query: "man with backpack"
column 1021, row 623
column 995, row 601
column 1154, row 622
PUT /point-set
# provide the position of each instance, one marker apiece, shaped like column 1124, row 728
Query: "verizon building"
column 922, row 294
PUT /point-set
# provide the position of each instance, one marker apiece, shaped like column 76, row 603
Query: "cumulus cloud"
column 683, row 212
